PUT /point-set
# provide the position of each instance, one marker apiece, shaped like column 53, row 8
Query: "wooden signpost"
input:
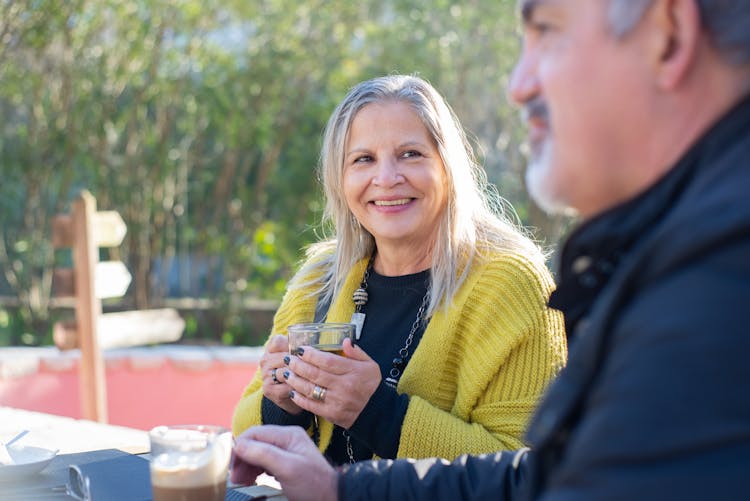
column 125, row 328
column 84, row 230
column 79, row 230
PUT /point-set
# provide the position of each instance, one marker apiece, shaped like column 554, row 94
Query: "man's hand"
column 288, row 454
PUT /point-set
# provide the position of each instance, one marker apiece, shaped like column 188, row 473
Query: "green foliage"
column 200, row 122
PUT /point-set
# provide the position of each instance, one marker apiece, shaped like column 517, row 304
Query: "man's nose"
column 524, row 84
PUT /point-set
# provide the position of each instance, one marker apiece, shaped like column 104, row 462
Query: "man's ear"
column 675, row 29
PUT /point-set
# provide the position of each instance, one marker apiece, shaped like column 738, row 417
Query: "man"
column 639, row 120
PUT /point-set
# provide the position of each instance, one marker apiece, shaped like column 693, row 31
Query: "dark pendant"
column 398, row 362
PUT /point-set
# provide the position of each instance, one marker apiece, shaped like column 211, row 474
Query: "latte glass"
column 189, row 462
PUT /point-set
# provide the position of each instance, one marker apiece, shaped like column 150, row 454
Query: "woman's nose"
column 388, row 173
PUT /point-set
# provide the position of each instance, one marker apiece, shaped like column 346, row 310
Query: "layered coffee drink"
column 189, row 463
column 336, row 349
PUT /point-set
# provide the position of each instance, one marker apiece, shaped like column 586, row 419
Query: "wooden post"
column 88, row 307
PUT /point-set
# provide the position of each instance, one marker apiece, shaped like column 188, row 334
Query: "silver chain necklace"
column 399, row 362
column 360, row 298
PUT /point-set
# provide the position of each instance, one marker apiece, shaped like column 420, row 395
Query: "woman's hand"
column 272, row 368
column 333, row 387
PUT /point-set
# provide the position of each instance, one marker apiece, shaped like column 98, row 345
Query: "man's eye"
column 540, row 28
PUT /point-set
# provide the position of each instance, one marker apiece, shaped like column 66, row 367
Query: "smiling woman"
column 454, row 342
column 394, row 184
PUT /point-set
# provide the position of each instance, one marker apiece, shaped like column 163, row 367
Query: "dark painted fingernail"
column 291, row 394
column 287, row 359
column 286, row 374
column 300, row 352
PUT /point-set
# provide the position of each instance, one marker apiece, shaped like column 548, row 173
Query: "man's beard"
column 540, row 182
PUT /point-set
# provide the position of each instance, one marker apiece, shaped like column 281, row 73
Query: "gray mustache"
column 536, row 109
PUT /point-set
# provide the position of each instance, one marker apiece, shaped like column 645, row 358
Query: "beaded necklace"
column 360, row 297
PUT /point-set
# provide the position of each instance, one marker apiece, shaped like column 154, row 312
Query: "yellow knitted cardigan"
column 478, row 370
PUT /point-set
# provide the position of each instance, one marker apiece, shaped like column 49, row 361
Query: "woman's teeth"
column 401, row 201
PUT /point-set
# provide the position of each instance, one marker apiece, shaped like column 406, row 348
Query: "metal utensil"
column 11, row 493
column 16, row 438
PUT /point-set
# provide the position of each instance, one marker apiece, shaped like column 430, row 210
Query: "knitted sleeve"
column 296, row 307
column 482, row 366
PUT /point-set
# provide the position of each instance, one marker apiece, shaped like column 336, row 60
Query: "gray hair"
column 726, row 22
column 474, row 227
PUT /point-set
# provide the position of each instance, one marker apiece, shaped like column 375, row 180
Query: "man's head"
column 615, row 91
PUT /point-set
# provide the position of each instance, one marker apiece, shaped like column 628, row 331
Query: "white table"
column 80, row 441
column 70, row 435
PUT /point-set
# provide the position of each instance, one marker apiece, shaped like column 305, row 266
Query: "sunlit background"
column 200, row 122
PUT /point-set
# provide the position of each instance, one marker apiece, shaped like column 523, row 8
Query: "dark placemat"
column 123, row 478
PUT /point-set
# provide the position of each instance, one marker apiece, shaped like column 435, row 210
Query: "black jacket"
column 655, row 400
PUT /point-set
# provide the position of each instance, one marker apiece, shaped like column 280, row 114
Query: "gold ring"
column 319, row 393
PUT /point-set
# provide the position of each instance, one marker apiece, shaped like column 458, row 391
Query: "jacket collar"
column 593, row 251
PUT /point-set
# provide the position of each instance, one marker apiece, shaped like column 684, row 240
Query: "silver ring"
column 319, row 393
column 273, row 377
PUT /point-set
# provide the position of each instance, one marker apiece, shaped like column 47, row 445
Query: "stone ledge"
column 16, row 362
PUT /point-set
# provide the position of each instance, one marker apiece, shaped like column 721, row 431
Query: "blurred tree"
column 467, row 49
column 200, row 121
column 37, row 153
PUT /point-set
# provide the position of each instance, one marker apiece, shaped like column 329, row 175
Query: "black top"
column 390, row 311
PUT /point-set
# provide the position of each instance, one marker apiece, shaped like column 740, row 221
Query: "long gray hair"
column 726, row 22
column 473, row 228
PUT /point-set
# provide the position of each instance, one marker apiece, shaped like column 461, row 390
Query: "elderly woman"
column 456, row 343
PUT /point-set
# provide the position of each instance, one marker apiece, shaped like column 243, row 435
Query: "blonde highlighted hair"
column 472, row 229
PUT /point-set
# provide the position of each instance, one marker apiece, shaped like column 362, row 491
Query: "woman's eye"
column 411, row 154
column 362, row 159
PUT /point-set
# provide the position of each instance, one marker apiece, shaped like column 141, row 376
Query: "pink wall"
column 145, row 386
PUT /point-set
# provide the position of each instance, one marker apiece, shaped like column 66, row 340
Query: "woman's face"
column 394, row 179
